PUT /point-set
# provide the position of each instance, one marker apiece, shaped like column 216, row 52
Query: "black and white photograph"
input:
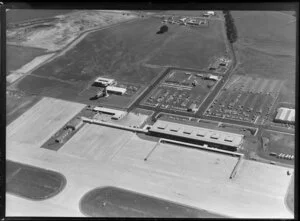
column 159, row 112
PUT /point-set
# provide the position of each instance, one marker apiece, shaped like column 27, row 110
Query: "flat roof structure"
column 285, row 115
column 104, row 81
column 114, row 89
column 117, row 114
column 198, row 133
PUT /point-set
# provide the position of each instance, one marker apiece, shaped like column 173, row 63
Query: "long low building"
column 285, row 115
column 197, row 135
column 116, row 90
column 116, row 114
column 104, row 81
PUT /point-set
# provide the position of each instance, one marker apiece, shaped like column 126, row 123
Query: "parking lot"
column 181, row 91
column 245, row 99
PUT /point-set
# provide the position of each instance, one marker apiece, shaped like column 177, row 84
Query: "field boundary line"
column 280, row 132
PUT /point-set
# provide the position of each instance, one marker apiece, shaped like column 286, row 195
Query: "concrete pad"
column 96, row 142
column 39, row 123
column 188, row 176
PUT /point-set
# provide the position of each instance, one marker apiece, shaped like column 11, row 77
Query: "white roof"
column 214, row 77
column 109, row 110
column 116, row 89
column 198, row 133
column 99, row 79
column 210, row 12
column 285, row 114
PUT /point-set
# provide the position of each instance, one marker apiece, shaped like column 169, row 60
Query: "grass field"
column 17, row 56
column 32, row 182
column 117, row 202
column 131, row 53
column 15, row 106
column 278, row 143
column 20, row 15
column 266, row 47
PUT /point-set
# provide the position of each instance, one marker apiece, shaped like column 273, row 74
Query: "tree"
column 230, row 27
column 162, row 29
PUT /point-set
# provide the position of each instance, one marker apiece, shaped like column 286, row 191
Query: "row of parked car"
column 283, row 156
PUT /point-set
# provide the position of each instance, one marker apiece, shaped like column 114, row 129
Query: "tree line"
column 230, row 27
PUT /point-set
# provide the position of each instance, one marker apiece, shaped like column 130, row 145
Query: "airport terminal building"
column 197, row 135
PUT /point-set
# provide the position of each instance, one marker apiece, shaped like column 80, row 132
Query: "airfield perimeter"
column 191, row 177
column 97, row 155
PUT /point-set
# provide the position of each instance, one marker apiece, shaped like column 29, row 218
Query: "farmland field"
column 17, row 56
column 118, row 202
column 32, row 182
column 266, row 47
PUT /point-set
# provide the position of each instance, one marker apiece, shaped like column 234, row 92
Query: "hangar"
column 285, row 115
column 197, row 135
column 116, row 114
column 116, row 90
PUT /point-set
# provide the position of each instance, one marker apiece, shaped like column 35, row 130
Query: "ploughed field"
column 130, row 52
column 117, row 202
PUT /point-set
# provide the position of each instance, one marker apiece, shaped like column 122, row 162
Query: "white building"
column 116, row 90
column 213, row 77
column 104, row 81
column 209, row 13
column 285, row 115
column 215, row 138
column 116, row 114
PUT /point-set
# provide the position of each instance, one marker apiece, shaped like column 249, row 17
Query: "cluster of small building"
column 220, row 65
column 197, row 135
column 285, row 115
column 109, row 86
column 186, row 21
column 192, row 21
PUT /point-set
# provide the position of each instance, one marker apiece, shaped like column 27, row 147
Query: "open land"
column 267, row 49
column 31, row 182
column 25, row 69
column 118, row 202
column 17, row 56
column 14, row 16
column 62, row 29
column 278, row 143
column 98, row 156
column 119, row 54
